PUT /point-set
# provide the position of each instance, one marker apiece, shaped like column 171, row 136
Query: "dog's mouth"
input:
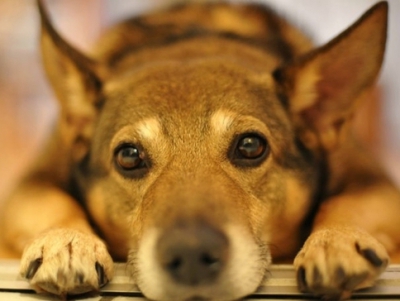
column 199, row 263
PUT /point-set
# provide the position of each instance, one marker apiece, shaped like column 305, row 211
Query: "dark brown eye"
column 249, row 149
column 130, row 160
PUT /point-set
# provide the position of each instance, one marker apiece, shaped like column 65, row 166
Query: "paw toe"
column 77, row 263
column 335, row 262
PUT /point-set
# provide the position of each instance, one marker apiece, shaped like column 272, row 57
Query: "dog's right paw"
column 66, row 261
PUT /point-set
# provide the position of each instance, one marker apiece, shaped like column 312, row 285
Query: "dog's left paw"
column 335, row 262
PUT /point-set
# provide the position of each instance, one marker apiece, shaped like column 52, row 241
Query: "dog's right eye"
column 130, row 160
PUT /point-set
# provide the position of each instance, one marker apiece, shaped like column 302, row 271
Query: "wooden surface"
column 280, row 286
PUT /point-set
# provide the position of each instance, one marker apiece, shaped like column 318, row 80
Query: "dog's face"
column 202, row 168
column 182, row 149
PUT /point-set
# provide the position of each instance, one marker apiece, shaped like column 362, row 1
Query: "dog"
column 200, row 144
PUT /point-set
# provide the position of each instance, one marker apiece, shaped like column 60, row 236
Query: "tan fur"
column 183, row 96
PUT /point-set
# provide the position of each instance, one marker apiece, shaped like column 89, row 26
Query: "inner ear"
column 323, row 86
column 73, row 75
column 77, row 82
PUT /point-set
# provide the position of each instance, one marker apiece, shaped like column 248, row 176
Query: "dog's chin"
column 243, row 273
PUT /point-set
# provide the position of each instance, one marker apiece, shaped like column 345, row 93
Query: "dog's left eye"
column 249, row 149
column 130, row 160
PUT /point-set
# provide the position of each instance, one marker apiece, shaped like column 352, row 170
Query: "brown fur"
column 183, row 87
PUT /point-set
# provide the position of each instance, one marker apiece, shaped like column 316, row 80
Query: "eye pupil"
column 251, row 147
column 129, row 157
column 249, row 150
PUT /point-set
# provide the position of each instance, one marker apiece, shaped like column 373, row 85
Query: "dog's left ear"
column 322, row 87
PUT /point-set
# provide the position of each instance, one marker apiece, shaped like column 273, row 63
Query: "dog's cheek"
column 298, row 198
column 289, row 218
column 110, row 218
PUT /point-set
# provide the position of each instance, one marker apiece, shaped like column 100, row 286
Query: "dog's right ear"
column 74, row 77
column 77, row 82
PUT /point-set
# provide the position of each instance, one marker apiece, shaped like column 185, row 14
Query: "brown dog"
column 200, row 143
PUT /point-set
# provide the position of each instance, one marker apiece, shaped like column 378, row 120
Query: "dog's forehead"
column 192, row 94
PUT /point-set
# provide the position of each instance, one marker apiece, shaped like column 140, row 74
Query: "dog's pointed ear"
column 75, row 78
column 321, row 88
column 77, row 82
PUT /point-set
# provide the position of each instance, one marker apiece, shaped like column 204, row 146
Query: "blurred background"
column 28, row 108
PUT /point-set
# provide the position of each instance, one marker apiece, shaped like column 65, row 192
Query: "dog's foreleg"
column 61, row 254
column 357, row 224
column 353, row 235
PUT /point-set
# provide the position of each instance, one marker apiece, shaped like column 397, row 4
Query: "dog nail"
column 317, row 277
column 358, row 248
column 100, row 274
column 301, row 279
column 371, row 256
column 80, row 277
column 33, row 267
column 340, row 276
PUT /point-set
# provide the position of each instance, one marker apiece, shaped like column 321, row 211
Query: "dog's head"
column 202, row 167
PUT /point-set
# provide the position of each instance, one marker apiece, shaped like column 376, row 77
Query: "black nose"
column 193, row 255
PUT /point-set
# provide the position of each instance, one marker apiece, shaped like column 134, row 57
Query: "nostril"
column 175, row 264
column 204, row 259
column 209, row 260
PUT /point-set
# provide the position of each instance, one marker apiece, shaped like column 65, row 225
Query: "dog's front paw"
column 335, row 262
column 66, row 261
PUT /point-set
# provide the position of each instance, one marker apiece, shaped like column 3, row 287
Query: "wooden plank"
column 280, row 285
